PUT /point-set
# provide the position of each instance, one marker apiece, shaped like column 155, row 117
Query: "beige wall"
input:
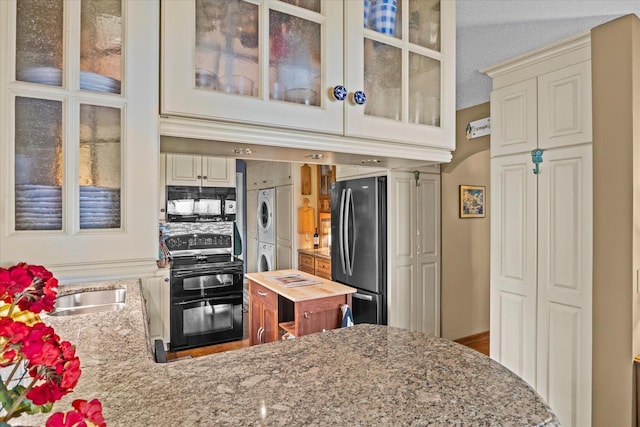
column 616, row 218
column 465, row 242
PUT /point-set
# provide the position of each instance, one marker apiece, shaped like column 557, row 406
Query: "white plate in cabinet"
column 197, row 67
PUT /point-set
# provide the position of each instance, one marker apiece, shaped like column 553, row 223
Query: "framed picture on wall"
column 472, row 201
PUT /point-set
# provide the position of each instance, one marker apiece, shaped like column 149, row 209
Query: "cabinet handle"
column 359, row 97
column 199, row 176
column 166, row 279
column 204, row 177
column 262, row 294
column 340, row 93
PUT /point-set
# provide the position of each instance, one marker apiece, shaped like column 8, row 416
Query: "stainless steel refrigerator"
column 359, row 244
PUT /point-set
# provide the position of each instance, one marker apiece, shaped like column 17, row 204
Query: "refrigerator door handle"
column 341, row 232
column 350, row 245
column 358, row 295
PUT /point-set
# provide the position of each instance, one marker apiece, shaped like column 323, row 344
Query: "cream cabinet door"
column 514, row 122
column 259, row 62
column 252, row 231
column 218, row 172
column 156, row 297
column 565, row 211
column 283, row 173
column 184, row 169
column 513, row 265
column 406, row 73
column 564, row 106
column 414, row 252
column 284, row 227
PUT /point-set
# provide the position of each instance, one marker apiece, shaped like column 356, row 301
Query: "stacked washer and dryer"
column 266, row 230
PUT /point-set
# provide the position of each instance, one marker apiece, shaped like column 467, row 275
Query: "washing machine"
column 266, row 257
column 266, row 216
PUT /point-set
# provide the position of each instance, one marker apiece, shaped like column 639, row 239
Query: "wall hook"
column 536, row 158
column 416, row 176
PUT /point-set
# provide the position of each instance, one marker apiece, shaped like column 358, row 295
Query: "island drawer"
column 305, row 261
column 323, row 267
column 267, row 296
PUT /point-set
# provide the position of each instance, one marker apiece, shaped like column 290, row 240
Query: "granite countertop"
column 321, row 252
column 323, row 289
column 359, row 376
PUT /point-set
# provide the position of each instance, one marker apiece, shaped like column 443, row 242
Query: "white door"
column 414, row 282
column 513, row 265
column 565, row 210
column 252, row 231
column 284, row 227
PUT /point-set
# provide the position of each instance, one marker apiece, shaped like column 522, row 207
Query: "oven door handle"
column 209, row 299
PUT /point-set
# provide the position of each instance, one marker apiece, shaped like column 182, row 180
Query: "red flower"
column 90, row 411
column 13, row 281
column 71, row 373
column 47, row 392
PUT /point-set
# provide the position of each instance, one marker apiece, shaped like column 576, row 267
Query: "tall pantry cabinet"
column 541, row 223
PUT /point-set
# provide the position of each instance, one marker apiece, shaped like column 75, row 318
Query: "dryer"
column 266, row 216
column 266, row 257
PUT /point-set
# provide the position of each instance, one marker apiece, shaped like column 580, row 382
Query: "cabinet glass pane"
column 38, row 164
column 101, row 45
column 313, row 5
column 39, row 41
column 424, row 90
column 100, row 166
column 382, row 80
column 384, row 16
column 227, row 53
column 294, row 58
column 424, row 23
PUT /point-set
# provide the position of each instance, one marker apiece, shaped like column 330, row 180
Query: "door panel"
column 564, row 106
column 514, row 116
column 513, row 265
column 565, row 252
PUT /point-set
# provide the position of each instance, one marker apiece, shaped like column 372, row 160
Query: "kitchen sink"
column 89, row 302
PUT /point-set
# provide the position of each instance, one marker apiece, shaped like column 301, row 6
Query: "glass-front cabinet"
column 75, row 115
column 372, row 69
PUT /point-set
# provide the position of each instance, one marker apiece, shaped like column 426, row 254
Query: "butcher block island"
column 291, row 303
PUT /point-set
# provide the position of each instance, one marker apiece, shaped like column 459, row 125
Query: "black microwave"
column 200, row 204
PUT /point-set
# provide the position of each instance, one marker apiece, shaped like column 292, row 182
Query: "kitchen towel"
column 382, row 16
column 347, row 318
column 237, row 240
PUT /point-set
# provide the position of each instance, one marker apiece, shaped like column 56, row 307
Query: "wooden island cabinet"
column 315, row 261
column 275, row 309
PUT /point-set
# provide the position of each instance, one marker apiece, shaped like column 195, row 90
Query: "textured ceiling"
column 491, row 31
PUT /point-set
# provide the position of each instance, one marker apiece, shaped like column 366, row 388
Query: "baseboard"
column 482, row 336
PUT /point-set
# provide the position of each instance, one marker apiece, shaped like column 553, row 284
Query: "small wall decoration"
column 472, row 201
column 305, row 179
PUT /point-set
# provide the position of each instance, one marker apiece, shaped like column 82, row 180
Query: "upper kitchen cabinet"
column 351, row 71
column 205, row 171
column 77, row 84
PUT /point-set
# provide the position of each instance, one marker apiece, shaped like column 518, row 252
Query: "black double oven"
column 206, row 290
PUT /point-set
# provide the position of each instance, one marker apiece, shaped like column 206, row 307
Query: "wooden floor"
column 478, row 342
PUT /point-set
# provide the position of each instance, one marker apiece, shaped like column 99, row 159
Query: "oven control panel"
column 185, row 242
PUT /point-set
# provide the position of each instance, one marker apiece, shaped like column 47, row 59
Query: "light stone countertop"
column 321, row 252
column 366, row 375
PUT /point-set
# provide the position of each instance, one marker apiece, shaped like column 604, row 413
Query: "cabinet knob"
column 162, row 210
column 204, row 177
column 359, row 97
column 166, row 279
column 340, row 92
column 199, row 176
